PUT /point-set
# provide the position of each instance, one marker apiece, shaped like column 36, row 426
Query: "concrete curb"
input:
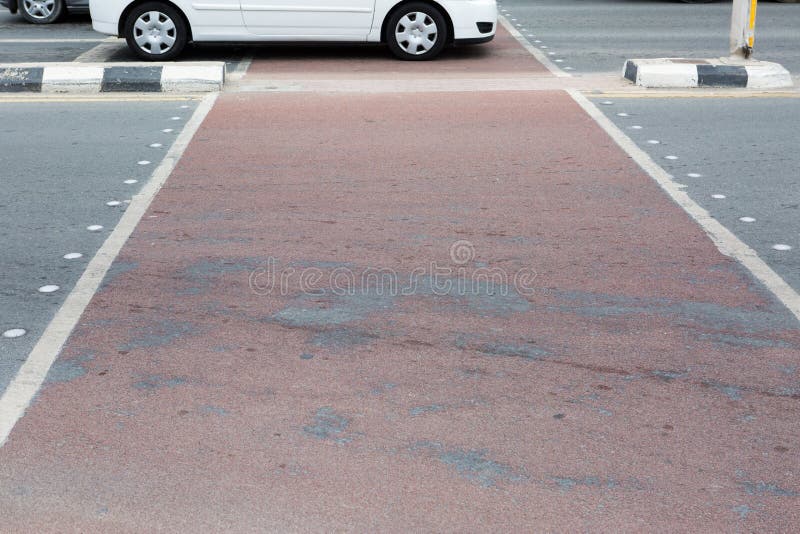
column 678, row 73
column 198, row 77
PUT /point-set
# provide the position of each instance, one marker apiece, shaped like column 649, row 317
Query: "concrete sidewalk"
column 594, row 363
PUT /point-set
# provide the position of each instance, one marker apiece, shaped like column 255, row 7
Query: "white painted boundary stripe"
column 242, row 67
column 31, row 375
column 724, row 239
column 535, row 52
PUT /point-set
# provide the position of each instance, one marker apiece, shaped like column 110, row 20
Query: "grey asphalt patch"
column 744, row 149
column 54, row 189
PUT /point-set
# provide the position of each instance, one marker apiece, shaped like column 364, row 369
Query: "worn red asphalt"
column 647, row 383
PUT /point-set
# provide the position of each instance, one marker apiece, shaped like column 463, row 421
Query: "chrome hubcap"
column 416, row 33
column 39, row 9
column 154, row 32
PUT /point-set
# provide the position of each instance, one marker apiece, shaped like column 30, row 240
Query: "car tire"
column 416, row 32
column 156, row 31
column 41, row 11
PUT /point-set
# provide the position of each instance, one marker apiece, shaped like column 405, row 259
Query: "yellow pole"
column 751, row 34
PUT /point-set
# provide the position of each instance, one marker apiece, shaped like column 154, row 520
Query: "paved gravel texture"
column 599, row 35
column 745, row 150
column 59, row 165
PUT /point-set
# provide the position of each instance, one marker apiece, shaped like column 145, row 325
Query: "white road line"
column 543, row 59
column 55, row 40
column 242, row 67
column 102, row 52
column 724, row 239
column 31, row 375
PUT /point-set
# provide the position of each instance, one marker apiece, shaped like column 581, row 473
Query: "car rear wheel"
column 41, row 11
column 156, row 32
column 416, row 32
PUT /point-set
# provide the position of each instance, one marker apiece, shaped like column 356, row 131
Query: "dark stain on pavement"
column 526, row 350
column 329, row 425
column 157, row 334
column 154, row 382
column 66, row 370
column 117, row 269
column 702, row 315
column 762, row 489
column 472, row 465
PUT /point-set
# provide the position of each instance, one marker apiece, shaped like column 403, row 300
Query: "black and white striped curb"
column 677, row 73
column 112, row 77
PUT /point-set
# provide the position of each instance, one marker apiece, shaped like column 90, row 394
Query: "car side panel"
column 214, row 20
column 222, row 20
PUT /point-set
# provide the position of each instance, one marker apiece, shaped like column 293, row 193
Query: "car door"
column 214, row 19
column 309, row 20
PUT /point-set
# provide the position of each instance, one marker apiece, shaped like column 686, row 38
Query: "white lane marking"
column 73, row 256
column 14, row 332
column 636, row 127
column 113, row 203
column 143, row 162
column 535, row 52
column 94, row 228
column 167, row 130
column 671, row 158
column 155, row 145
column 725, row 240
column 718, row 197
column 694, row 175
column 102, row 52
column 29, row 378
column 781, row 247
column 747, row 219
column 241, row 68
column 174, row 118
column 622, row 114
column 130, row 182
column 653, row 142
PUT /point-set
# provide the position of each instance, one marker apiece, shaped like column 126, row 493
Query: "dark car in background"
column 45, row 11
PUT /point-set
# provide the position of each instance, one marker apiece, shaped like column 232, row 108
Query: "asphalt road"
column 745, row 151
column 59, row 166
column 599, row 35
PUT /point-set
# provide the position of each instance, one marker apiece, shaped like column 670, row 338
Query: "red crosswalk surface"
column 444, row 311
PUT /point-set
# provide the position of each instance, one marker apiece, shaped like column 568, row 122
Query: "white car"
column 415, row 30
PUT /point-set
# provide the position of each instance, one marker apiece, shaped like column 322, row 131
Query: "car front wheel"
column 416, row 31
column 156, row 32
column 41, row 11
